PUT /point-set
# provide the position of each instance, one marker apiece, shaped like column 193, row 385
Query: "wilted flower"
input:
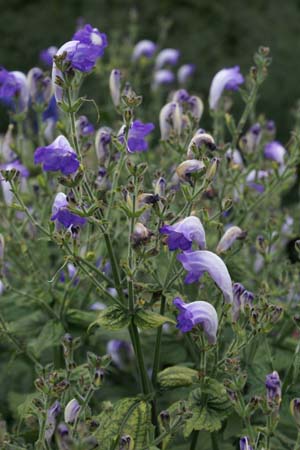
column 185, row 72
column 121, row 353
column 137, row 132
column 40, row 86
column 229, row 237
column 182, row 234
column 71, row 411
column 161, row 77
column 241, row 298
column 187, row 168
column 52, row 414
column 197, row 313
column 102, row 141
column 46, row 55
column 200, row 138
column 273, row 387
column 58, row 156
column 144, row 48
column 115, row 86
column 229, row 79
column 61, row 212
column 244, row 444
column 166, row 56
column 14, row 89
column 199, row 262
column 275, row 151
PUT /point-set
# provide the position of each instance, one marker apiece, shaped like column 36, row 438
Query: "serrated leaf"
column 209, row 406
column 177, row 376
column 111, row 318
column 129, row 416
column 146, row 319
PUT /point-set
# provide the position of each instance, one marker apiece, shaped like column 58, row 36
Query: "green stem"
column 83, row 406
column 156, row 360
column 140, row 359
column 195, row 435
column 297, row 443
column 245, row 115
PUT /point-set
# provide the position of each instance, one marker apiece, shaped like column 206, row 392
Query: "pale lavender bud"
column 2, row 287
column 84, row 127
column 241, row 298
column 160, row 187
column 97, row 306
column 52, row 414
column 199, row 262
column 197, row 313
column 177, row 119
column 167, row 56
column 180, row 96
column 295, row 410
column 273, row 387
column 271, row 127
column 68, row 48
column 185, row 72
column 23, row 91
column 254, row 177
column 198, row 140
column 102, row 142
column 162, row 77
column 229, row 237
column 166, row 120
column 229, row 79
column 115, row 86
column 187, row 168
column 140, row 235
column 235, row 158
column 2, row 247
column 71, row 411
column 144, row 48
column 196, row 107
column 275, row 151
column 50, row 126
column 39, row 85
column 6, row 151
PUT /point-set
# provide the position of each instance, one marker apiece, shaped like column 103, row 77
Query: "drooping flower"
column 196, row 107
column 62, row 214
column 167, row 56
column 187, row 168
column 273, row 387
column 52, row 414
column 241, row 298
column 115, row 86
column 137, row 133
column 46, row 55
column 185, row 72
column 71, row 411
column 144, row 48
column 121, row 353
column 201, row 261
column 229, row 237
column 275, row 151
column 162, row 77
column 229, row 79
column 181, row 96
column 200, row 138
column 197, row 313
column 182, row 234
column 14, row 89
column 58, row 156
column 244, row 444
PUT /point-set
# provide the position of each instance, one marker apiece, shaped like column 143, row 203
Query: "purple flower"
column 121, row 353
column 275, row 151
column 61, row 212
column 52, row 414
column 197, row 313
column 92, row 37
column 271, row 126
column 7, row 154
column 253, row 177
column 187, row 168
column 144, row 48
column 241, row 298
column 46, row 55
column 72, row 272
column 71, row 411
column 161, row 77
column 136, row 141
column 200, row 138
column 273, row 387
column 229, row 79
column 58, row 156
column 102, row 141
column 234, row 157
column 115, row 86
column 196, row 107
column 166, row 56
column 185, row 72
column 84, row 127
column 182, row 234
column 40, row 86
column 181, row 96
column 201, row 261
column 244, row 444
column 166, row 120
column 14, row 89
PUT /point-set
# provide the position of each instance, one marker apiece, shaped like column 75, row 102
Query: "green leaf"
column 177, row 376
column 112, row 318
column 128, row 416
column 49, row 336
column 209, row 406
column 149, row 319
column 79, row 317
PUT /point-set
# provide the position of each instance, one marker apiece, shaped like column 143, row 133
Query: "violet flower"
column 229, row 79
column 52, row 414
column 244, row 444
column 166, row 56
column 201, row 261
column 144, row 48
column 275, row 151
column 14, row 89
column 253, row 179
column 182, row 234
column 115, row 86
column 39, row 85
column 185, row 72
column 273, row 387
column 162, row 77
column 241, row 298
column 200, row 139
column 196, row 107
column 7, row 154
column 197, row 313
column 71, row 411
column 137, row 133
column 58, row 156
column 121, row 353
column 235, row 158
column 46, row 55
column 181, row 96
column 84, row 127
column 62, row 214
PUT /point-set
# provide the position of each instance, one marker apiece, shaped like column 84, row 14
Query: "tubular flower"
column 182, row 234
column 166, row 120
column 275, row 151
column 52, row 414
column 229, row 237
column 39, row 85
column 58, row 156
column 199, row 262
column 46, row 55
column 121, row 353
column 14, row 89
column 162, row 77
column 254, row 177
column 166, row 56
column 185, row 72
column 144, row 48
column 200, row 138
column 186, row 168
column 62, row 214
column 71, row 411
column 197, row 313
column 6, row 188
column 229, row 79
column 137, row 133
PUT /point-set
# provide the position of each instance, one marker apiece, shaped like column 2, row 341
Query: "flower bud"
column 295, row 410
column 40, row 86
column 2, row 246
column 140, row 234
column 71, row 411
column 165, row 419
column 229, row 237
column 52, row 414
column 187, row 168
column 125, row 442
column 196, row 107
column 212, row 170
column 273, row 387
column 166, row 120
column 102, row 142
column 115, row 86
column 200, row 139
column 6, row 151
column 160, row 187
column 98, row 377
column 121, row 353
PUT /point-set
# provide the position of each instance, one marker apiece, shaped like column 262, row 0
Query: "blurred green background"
column 210, row 33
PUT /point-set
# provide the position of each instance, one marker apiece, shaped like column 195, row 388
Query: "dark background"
column 211, row 33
